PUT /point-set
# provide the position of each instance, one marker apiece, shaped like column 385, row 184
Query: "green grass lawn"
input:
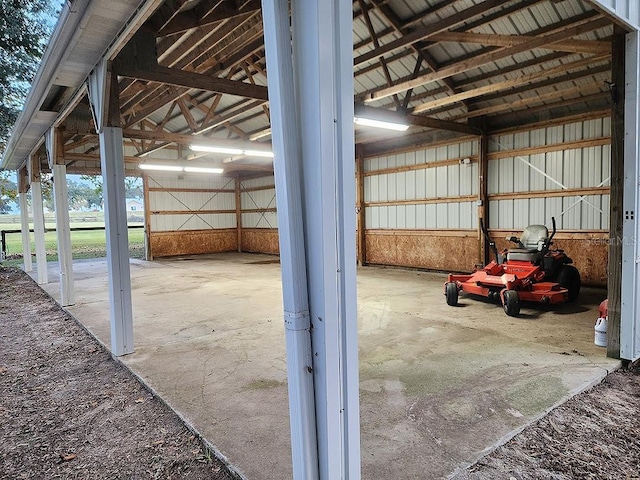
column 85, row 244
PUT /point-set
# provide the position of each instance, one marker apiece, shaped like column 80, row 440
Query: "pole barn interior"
column 517, row 111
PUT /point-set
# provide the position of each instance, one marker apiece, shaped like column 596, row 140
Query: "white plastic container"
column 601, row 332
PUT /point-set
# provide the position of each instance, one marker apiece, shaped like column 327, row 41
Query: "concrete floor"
column 439, row 385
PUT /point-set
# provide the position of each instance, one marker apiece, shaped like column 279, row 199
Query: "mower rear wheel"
column 451, row 292
column 511, row 303
column 569, row 278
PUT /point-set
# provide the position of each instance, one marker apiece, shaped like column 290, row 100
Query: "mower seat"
column 532, row 241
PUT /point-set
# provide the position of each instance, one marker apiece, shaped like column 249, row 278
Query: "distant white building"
column 134, row 205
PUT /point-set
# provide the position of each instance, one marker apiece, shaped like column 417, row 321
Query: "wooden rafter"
column 571, row 46
column 506, row 84
column 574, row 93
column 426, row 32
column 186, row 113
column 561, row 33
column 423, row 55
column 376, row 44
column 198, row 17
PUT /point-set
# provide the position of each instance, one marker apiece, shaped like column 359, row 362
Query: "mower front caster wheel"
column 511, row 303
column 451, row 292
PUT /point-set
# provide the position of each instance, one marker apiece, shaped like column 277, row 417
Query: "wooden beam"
column 425, row 32
column 238, row 192
column 593, row 47
column 424, row 201
column 185, row 139
column 186, row 113
column 614, row 281
column 182, row 78
column 483, row 193
column 191, row 212
column 360, row 207
column 23, row 180
column 560, row 192
column 506, row 84
column 191, row 190
column 561, row 33
column 419, row 166
column 147, row 217
column 523, row 103
column 553, row 147
column 165, row 13
column 193, row 18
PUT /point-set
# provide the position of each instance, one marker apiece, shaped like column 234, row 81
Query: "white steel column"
column 65, row 261
column 38, row 231
column 61, row 204
column 115, row 215
column 323, row 77
column 24, row 228
column 287, row 171
column 103, row 96
column 630, row 297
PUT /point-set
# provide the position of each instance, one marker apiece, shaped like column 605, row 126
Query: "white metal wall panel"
column 626, row 10
column 460, row 215
column 191, row 181
column 180, row 198
column 256, row 200
column 182, row 201
column 259, row 220
column 446, row 181
column 258, row 182
column 169, row 223
column 572, row 168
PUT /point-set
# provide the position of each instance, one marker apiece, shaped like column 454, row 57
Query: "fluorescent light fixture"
column 203, row 170
column 258, row 153
column 211, row 149
column 232, row 151
column 179, row 168
column 369, row 122
column 166, row 168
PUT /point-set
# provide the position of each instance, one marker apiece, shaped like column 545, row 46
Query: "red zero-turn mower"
column 532, row 272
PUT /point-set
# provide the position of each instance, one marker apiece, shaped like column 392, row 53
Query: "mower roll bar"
column 492, row 244
column 553, row 233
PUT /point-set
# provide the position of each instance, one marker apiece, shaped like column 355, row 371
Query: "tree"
column 7, row 193
column 25, row 26
column 132, row 185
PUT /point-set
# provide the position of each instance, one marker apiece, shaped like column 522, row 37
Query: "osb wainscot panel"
column 193, row 242
column 260, row 240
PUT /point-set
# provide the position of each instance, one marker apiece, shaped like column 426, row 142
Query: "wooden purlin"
column 560, row 32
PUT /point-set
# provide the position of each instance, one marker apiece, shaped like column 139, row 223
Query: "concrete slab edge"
column 210, row 446
column 506, row 438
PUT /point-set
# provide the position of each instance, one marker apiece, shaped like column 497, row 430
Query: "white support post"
column 24, row 228
column 38, row 231
column 103, row 97
column 115, row 214
column 323, row 76
column 287, row 171
column 630, row 297
column 65, row 259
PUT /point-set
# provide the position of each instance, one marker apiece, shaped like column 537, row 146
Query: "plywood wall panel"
column 452, row 251
column 260, row 240
column 192, row 242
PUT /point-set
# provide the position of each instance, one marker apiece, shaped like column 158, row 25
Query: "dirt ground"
column 68, row 410
column 594, row 435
